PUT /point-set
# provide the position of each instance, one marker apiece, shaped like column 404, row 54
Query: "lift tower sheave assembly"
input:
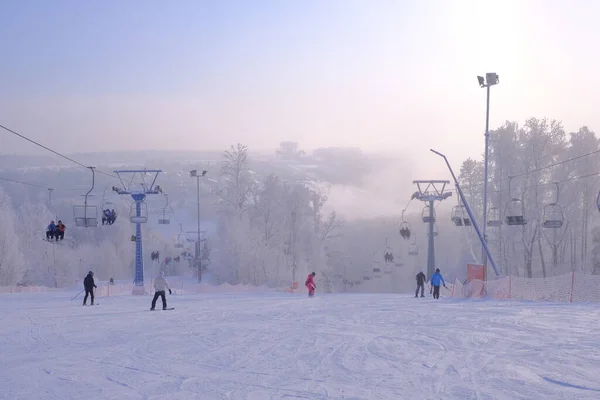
column 429, row 192
column 138, row 213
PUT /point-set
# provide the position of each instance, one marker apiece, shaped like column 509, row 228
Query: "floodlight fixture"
column 492, row 78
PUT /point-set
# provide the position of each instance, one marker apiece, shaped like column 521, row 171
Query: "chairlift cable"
column 35, row 185
column 54, row 152
column 537, row 184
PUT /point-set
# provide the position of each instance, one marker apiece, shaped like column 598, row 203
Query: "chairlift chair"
column 405, row 230
column 86, row 216
column 459, row 216
column 108, row 205
column 425, row 215
column 165, row 219
column 515, row 209
column 142, row 218
column 405, row 227
column 377, row 273
column 553, row 214
column 493, row 218
column 366, row 278
column 413, row 250
column 513, row 213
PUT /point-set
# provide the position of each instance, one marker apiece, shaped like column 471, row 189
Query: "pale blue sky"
column 382, row 75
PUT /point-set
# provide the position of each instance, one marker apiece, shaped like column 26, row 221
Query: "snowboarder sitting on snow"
column 51, row 231
column 89, row 285
column 60, row 231
column 421, row 279
column 160, row 284
column 435, row 283
column 310, row 284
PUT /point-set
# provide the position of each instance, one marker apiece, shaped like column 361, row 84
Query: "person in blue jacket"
column 436, row 279
column 51, row 231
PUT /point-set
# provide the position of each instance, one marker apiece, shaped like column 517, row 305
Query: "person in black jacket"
column 89, row 285
column 421, row 279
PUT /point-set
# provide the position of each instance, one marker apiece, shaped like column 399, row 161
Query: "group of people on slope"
column 160, row 284
column 436, row 279
column 109, row 216
column 55, row 231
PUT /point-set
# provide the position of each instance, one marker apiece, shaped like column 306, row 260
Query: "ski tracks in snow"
column 281, row 346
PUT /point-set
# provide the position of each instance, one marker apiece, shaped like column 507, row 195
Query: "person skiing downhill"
column 160, row 283
column 310, row 284
column 421, row 279
column 436, row 279
column 89, row 285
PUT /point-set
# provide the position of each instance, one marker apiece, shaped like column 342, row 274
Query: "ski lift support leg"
column 466, row 204
column 138, row 196
column 431, row 193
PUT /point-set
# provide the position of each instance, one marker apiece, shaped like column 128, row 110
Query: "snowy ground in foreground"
column 278, row 346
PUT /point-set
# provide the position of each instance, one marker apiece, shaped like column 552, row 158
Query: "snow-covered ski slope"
column 283, row 346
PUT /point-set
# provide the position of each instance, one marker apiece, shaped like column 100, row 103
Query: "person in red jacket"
column 310, row 284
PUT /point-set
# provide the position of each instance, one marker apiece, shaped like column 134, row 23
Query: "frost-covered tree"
column 11, row 257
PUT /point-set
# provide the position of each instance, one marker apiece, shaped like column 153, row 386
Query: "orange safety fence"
column 571, row 287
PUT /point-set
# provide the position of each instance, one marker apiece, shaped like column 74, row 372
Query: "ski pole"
column 77, row 295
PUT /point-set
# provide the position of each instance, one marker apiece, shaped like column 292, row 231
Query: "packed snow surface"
column 283, row 346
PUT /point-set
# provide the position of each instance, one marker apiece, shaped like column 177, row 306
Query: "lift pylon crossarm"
column 147, row 187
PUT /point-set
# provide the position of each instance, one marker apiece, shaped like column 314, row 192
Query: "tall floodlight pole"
column 466, row 204
column 138, row 213
column 491, row 79
column 198, row 255
column 431, row 191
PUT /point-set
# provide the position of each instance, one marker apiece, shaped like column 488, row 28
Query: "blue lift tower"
column 138, row 212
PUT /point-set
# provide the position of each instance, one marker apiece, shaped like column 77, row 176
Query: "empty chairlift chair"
column 514, row 210
column 553, row 214
column 513, row 214
column 493, row 218
column 164, row 218
column 413, row 250
column 138, row 216
column 86, row 216
column 459, row 216
column 428, row 216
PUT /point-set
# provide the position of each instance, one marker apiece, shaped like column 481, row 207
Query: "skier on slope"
column 310, row 284
column 160, row 283
column 421, row 279
column 89, row 285
column 436, row 279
